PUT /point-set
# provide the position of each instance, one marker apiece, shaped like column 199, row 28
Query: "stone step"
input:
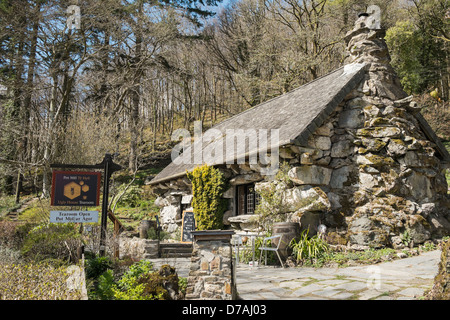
column 175, row 250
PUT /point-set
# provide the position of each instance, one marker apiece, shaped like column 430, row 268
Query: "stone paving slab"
column 396, row 280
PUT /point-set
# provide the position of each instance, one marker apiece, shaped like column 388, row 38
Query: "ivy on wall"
column 208, row 186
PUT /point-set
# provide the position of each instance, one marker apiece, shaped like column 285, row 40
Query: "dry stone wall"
column 211, row 275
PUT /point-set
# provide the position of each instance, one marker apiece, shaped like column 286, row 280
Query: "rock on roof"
column 296, row 115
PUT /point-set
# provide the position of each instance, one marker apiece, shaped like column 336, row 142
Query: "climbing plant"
column 208, row 186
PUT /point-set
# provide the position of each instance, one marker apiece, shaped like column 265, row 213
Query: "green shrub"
column 35, row 282
column 51, row 241
column 153, row 235
column 130, row 197
column 96, row 266
column 12, row 234
column 105, row 286
column 308, row 248
column 131, row 285
column 208, row 186
column 8, row 255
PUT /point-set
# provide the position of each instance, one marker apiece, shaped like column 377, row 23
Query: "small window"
column 184, row 206
column 247, row 199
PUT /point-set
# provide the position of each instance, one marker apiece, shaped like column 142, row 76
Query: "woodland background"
column 137, row 70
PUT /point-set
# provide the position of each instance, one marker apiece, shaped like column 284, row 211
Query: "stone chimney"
column 400, row 185
column 366, row 44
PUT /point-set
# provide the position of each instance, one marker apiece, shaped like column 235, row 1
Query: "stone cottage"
column 357, row 147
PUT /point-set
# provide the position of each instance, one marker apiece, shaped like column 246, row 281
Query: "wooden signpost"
column 74, row 189
column 188, row 225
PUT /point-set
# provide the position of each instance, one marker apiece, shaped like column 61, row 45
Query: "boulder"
column 339, row 177
column 351, row 119
column 374, row 160
column 379, row 132
column 246, row 222
column 396, row 148
column 373, row 144
column 364, row 231
column 310, row 175
column 367, row 181
column 305, row 198
column 168, row 218
column 419, row 186
column 419, row 160
column 245, row 178
column 324, row 130
column 319, row 142
column 341, row 149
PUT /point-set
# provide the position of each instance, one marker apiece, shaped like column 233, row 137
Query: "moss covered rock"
column 441, row 286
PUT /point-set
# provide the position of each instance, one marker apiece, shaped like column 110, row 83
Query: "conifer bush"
column 208, row 186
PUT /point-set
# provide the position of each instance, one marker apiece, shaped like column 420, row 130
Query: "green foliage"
column 308, row 248
column 131, row 197
column 370, row 256
column 140, row 283
column 10, row 256
column 152, row 235
column 51, row 241
column 7, row 204
column 417, row 56
column 105, row 286
column 12, row 234
column 406, row 237
column 246, row 250
column 35, row 282
column 96, row 266
column 134, row 272
column 208, row 186
column 182, row 284
column 405, row 44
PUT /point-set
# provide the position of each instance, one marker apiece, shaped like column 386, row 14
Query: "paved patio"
column 402, row 279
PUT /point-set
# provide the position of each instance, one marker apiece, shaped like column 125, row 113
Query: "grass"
column 7, row 204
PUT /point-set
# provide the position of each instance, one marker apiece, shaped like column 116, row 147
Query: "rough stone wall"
column 211, row 273
column 170, row 198
column 137, row 248
column 441, row 285
column 401, row 184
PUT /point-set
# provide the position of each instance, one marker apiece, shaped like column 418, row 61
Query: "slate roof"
column 297, row 114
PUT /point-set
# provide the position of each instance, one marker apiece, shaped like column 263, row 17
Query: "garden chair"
column 269, row 247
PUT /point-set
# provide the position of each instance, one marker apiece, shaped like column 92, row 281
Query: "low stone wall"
column 211, row 276
column 138, row 249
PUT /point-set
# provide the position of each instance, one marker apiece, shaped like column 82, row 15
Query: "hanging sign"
column 188, row 225
column 75, row 188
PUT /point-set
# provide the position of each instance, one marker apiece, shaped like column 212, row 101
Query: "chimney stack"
column 366, row 44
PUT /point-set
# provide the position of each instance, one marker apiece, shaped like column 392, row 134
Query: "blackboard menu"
column 188, row 226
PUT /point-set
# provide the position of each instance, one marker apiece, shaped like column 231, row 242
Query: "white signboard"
column 73, row 216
